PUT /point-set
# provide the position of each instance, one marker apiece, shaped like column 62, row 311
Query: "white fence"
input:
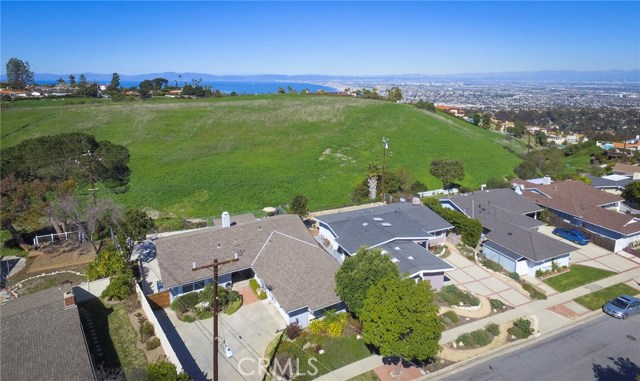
column 437, row 192
column 164, row 341
column 56, row 236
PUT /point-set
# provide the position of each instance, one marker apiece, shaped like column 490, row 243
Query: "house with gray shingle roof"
column 402, row 230
column 297, row 275
column 42, row 339
column 510, row 235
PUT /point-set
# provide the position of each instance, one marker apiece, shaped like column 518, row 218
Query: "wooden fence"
column 159, row 300
column 599, row 240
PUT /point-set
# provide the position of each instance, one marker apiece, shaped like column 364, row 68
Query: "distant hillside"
column 510, row 76
column 200, row 157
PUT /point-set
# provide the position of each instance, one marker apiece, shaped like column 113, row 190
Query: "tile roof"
column 626, row 168
column 374, row 226
column 41, row 340
column 412, row 258
column 298, row 273
column 176, row 253
column 582, row 201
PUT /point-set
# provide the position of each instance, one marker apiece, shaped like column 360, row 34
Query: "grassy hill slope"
column 200, row 157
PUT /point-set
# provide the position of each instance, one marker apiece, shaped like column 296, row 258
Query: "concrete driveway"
column 595, row 256
column 247, row 333
column 472, row 277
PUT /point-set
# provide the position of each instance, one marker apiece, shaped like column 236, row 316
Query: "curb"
column 506, row 349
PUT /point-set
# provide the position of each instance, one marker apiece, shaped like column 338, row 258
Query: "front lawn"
column 577, row 276
column 368, row 376
column 596, row 300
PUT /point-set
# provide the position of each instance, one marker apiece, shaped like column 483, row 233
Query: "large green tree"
column 40, row 178
column 358, row 273
column 115, row 83
column 631, row 193
column 134, row 227
column 447, row 170
column 394, row 94
column 299, row 206
column 19, row 74
column 400, row 317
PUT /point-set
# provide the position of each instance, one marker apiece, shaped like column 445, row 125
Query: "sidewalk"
column 548, row 322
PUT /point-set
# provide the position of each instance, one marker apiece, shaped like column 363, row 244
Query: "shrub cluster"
column 452, row 295
column 152, row 344
column 470, row 229
column 292, row 331
column 120, row 285
column 496, row 304
column 493, row 329
column 514, row 275
column 495, row 266
column 478, row 338
column 146, row 330
column 450, row 318
column 197, row 305
column 332, row 325
column 521, row 328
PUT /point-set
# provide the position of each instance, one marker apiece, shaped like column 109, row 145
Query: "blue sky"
column 339, row 38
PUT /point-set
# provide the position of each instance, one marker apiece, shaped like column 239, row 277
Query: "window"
column 198, row 285
column 187, row 288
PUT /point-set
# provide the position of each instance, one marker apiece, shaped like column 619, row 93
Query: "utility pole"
column 215, row 266
column 385, row 144
column 92, row 178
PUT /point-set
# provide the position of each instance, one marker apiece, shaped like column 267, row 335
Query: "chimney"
column 546, row 180
column 226, row 220
column 636, row 175
column 69, row 300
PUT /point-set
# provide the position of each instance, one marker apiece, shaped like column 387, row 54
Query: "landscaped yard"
column 116, row 337
column 596, row 300
column 576, row 277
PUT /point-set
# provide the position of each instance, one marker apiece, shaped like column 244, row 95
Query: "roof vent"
column 69, row 300
column 394, row 260
column 365, row 223
column 396, row 248
column 385, row 224
column 410, row 257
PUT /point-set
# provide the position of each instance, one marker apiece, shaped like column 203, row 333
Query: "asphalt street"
column 604, row 349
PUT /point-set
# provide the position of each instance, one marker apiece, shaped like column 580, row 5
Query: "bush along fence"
column 157, row 329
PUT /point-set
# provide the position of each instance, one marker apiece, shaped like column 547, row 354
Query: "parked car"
column 572, row 235
column 622, row 306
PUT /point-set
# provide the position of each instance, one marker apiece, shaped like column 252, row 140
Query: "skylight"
column 394, row 260
column 385, row 224
column 365, row 223
column 410, row 257
column 377, row 219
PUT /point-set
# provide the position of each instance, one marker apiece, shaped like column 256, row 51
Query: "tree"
column 631, row 193
column 115, row 83
column 477, row 118
column 526, row 170
column 38, row 172
column 281, row 90
column 400, row 318
column 83, row 80
column 134, row 227
column 72, row 80
column 447, row 171
column 159, row 83
column 518, row 129
column 497, row 183
column 486, row 121
column 426, row 106
column 394, row 94
column 541, row 138
column 145, row 88
column 164, row 371
column 109, row 263
column 358, row 273
column 299, row 205
column 19, row 74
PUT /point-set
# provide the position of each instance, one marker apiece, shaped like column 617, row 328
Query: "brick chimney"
column 69, row 300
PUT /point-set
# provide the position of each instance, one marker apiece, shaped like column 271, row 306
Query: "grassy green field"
column 195, row 158
column 597, row 299
column 578, row 276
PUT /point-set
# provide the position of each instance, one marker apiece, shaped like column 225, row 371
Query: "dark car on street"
column 622, row 306
column 572, row 235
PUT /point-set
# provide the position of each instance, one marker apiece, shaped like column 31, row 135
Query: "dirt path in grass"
column 448, row 353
